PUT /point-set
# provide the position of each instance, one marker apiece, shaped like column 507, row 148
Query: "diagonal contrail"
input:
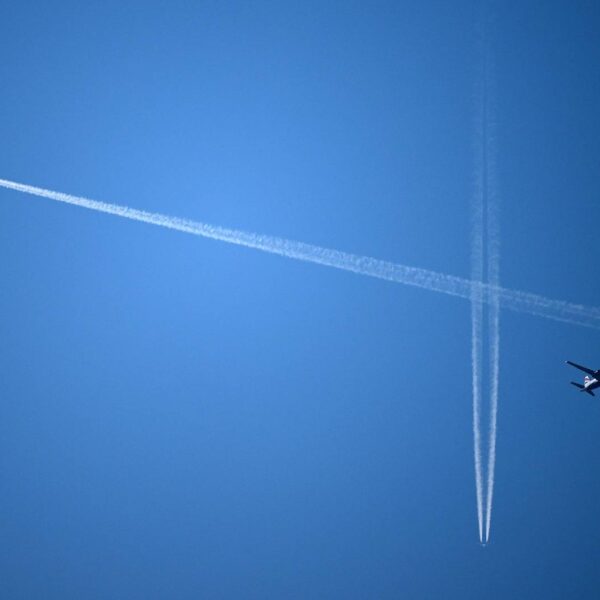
column 525, row 302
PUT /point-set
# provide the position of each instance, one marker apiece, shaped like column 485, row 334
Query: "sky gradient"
column 185, row 418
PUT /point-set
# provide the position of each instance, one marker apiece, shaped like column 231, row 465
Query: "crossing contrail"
column 524, row 302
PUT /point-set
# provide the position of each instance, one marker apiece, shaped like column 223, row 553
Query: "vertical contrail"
column 485, row 267
column 477, row 299
column 484, row 270
column 476, row 348
column 493, row 268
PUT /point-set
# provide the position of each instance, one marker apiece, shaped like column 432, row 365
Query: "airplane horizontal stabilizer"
column 582, row 388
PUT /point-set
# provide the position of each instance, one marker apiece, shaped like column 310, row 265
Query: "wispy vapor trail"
column 485, row 263
column 524, row 302
column 476, row 349
column 493, row 271
column 477, row 305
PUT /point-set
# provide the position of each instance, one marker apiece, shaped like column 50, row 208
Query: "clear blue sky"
column 183, row 418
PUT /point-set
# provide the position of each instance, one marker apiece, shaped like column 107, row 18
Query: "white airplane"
column 590, row 382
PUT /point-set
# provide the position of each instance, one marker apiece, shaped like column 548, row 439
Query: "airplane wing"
column 584, row 369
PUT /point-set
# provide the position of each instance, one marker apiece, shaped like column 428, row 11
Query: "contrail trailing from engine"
column 486, row 226
column 557, row 310
column 493, row 272
column 485, row 266
column 477, row 306
column 476, row 348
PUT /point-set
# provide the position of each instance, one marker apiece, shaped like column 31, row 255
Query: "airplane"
column 590, row 382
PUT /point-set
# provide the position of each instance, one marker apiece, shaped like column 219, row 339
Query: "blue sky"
column 185, row 418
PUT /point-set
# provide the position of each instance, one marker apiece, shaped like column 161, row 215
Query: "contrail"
column 557, row 310
column 477, row 306
column 476, row 347
column 485, row 264
column 493, row 267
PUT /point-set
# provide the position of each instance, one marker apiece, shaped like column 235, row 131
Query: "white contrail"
column 493, row 253
column 477, row 306
column 485, row 260
column 494, row 361
column 476, row 346
column 524, row 302
column 493, row 269
column 476, row 314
